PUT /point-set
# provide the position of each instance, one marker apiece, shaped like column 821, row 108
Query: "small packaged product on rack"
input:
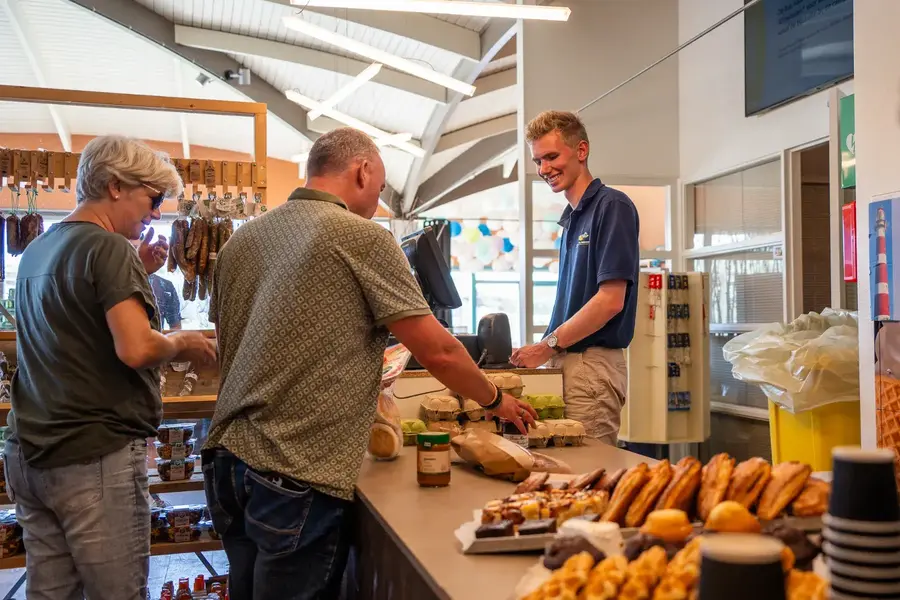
column 176, row 451
column 176, row 470
column 176, row 433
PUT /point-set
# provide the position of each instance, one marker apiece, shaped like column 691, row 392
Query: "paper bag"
column 498, row 457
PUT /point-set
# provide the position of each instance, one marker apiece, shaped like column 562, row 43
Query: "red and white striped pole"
column 882, row 293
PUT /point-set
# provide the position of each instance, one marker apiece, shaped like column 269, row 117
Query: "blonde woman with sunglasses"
column 86, row 394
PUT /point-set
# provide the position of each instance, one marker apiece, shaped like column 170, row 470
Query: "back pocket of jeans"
column 275, row 516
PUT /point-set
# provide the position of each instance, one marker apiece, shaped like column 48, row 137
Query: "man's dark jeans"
column 284, row 540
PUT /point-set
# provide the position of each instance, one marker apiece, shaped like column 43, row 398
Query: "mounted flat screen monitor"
column 794, row 48
column 431, row 270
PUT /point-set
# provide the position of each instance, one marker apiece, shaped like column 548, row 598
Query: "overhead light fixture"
column 370, row 130
column 374, row 54
column 449, row 7
column 345, row 92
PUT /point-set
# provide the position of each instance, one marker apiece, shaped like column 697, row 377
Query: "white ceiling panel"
column 442, row 159
column 145, row 124
column 397, row 164
column 16, row 117
column 484, row 107
column 262, row 19
column 373, row 103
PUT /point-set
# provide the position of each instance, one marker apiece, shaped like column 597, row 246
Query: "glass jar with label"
column 509, row 431
column 433, row 458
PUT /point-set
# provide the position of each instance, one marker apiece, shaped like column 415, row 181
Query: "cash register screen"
column 430, row 269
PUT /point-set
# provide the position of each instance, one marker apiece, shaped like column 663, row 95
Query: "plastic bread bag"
column 498, row 457
column 807, row 363
column 386, row 434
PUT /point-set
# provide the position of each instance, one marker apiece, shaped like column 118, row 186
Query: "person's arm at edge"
column 447, row 360
column 137, row 344
column 593, row 316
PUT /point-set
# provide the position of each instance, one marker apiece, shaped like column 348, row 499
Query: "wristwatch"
column 553, row 342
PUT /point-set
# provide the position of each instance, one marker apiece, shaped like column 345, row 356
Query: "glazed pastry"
column 806, row 586
column 670, row 525
column 494, row 530
column 532, row 483
column 566, row 581
column 626, row 491
column 813, row 500
column 716, row 476
column 609, row 481
column 682, row 574
column 640, row 543
column 587, row 480
column 748, row 481
column 606, row 579
column 788, row 480
column 732, row 517
column 660, row 476
column 683, row 488
column 644, row 573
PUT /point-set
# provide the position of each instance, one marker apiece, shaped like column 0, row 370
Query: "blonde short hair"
column 568, row 124
column 127, row 160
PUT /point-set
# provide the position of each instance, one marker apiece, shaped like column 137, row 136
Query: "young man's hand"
column 516, row 411
column 532, row 356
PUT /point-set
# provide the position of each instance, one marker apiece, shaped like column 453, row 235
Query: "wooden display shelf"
column 159, row 549
column 174, row 407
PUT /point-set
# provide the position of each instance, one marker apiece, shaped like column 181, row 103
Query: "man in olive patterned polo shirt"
column 303, row 302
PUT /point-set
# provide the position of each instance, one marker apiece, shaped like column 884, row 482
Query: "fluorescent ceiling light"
column 449, row 7
column 370, row 130
column 345, row 92
column 374, row 54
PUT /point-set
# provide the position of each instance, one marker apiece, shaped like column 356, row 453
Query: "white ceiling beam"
column 143, row 21
column 493, row 39
column 182, row 118
column 417, row 27
column 495, row 82
column 20, row 28
column 463, row 168
column 476, row 132
column 486, row 180
column 234, row 43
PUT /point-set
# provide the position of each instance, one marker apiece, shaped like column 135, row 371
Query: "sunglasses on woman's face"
column 157, row 198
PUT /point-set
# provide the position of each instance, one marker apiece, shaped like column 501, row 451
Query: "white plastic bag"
column 805, row 364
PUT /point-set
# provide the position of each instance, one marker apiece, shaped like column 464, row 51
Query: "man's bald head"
column 346, row 162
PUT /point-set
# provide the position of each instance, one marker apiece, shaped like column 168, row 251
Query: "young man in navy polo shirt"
column 596, row 298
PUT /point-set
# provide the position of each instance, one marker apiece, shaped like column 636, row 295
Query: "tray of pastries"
column 528, row 518
column 661, row 563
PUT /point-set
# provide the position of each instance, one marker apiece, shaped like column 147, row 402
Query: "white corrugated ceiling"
column 78, row 49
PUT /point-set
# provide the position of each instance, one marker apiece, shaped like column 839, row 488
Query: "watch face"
column 551, row 341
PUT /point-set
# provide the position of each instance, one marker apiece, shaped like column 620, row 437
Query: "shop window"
column 746, row 286
column 737, row 207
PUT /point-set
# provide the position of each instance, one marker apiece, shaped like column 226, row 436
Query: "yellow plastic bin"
column 810, row 435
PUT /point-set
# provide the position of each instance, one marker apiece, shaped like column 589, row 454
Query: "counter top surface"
column 424, row 519
column 415, row 373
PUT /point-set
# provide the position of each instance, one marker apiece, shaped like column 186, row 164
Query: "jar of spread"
column 512, row 433
column 433, row 458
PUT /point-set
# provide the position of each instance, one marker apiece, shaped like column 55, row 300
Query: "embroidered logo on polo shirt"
column 584, row 238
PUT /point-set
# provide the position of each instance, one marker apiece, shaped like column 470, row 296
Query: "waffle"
column 805, row 586
column 887, row 392
column 606, row 579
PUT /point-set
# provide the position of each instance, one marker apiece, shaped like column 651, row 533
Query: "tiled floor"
column 162, row 568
